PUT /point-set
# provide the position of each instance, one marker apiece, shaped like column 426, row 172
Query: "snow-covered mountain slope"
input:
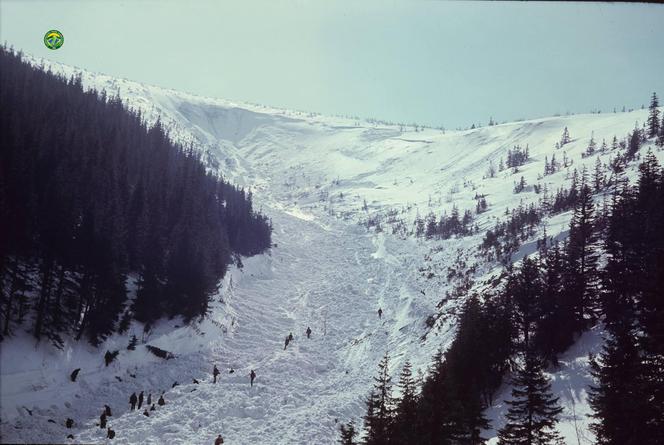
column 312, row 175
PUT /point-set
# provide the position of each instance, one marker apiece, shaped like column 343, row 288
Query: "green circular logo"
column 53, row 39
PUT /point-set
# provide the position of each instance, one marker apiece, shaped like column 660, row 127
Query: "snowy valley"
column 344, row 197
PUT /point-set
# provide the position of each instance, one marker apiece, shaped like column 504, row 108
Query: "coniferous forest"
column 89, row 195
column 609, row 272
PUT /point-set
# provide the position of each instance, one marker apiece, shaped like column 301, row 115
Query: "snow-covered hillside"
column 320, row 179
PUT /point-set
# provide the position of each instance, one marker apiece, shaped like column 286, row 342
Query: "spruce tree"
column 581, row 278
column 617, row 400
column 653, row 117
column 648, row 215
column 404, row 430
column 380, row 407
column 565, row 139
column 533, row 411
column 598, row 176
column 347, row 433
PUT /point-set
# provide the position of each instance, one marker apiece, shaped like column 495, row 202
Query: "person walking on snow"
column 132, row 401
column 215, row 373
column 219, row 440
column 308, row 332
column 286, row 342
column 140, row 400
column 252, row 376
column 161, row 401
column 107, row 410
column 290, row 336
column 102, row 421
column 380, row 313
column 149, row 399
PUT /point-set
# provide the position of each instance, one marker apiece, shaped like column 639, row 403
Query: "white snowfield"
column 312, row 175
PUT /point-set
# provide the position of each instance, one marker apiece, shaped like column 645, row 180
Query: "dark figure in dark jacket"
column 102, row 421
column 161, row 400
column 107, row 410
column 215, row 373
column 380, row 313
column 110, row 433
column 74, row 374
column 308, row 332
column 69, row 422
column 252, row 376
column 146, row 413
column 132, row 401
column 140, row 400
column 152, row 408
column 290, row 336
column 231, row 371
column 108, row 358
column 149, row 399
column 219, row 440
column 174, row 384
column 286, row 343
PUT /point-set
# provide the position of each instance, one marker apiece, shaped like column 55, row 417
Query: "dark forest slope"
column 89, row 194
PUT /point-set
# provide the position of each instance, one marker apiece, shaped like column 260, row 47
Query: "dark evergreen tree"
column 617, row 400
column 581, row 276
column 435, row 406
column 555, row 328
column 647, row 219
column 565, row 139
column 653, row 117
column 348, row 434
column 533, row 411
column 380, row 407
column 404, row 429
column 634, row 143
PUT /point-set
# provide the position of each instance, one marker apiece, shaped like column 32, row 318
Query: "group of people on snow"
column 290, row 338
column 136, row 401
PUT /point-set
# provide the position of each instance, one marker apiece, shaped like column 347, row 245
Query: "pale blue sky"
column 424, row 61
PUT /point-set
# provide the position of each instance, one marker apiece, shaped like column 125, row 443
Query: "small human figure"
column 152, row 408
column 231, row 371
column 108, row 358
column 146, row 413
column 252, row 376
column 102, row 420
column 308, row 332
column 290, row 336
column 74, row 374
column 219, row 440
column 215, row 373
column 380, row 313
column 140, row 400
column 175, row 384
column 107, row 410
column 161, row 401
column 149, row 399
column 286, row 342
column 69, row 422
column 132, row 401
column 110, row 433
